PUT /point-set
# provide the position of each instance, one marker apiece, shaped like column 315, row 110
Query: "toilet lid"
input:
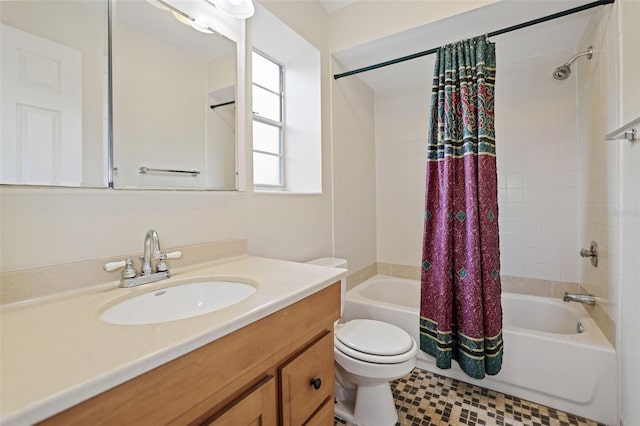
column 374, row 337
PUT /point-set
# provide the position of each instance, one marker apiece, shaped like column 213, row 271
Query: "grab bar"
column 628, row 131
column 144, row 170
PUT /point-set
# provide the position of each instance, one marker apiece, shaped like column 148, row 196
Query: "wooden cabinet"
column 256, row 408
column 324, row 415
column 263, row 374
column 306, row 381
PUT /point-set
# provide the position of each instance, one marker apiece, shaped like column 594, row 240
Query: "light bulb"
column 199, row 26
column 185, row 20
column 241, row 9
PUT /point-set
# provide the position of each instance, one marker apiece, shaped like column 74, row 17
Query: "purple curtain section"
column 460, row 309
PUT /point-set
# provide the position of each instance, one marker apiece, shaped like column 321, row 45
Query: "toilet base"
column 344, row 410
column 373, row 406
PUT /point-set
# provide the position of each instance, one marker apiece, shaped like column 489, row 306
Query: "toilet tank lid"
column 333, row 262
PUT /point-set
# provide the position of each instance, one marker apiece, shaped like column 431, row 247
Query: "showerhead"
column 564, row 71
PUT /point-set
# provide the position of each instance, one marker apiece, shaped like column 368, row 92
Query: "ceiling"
column 559, row 34
column 333, row 5
column 161, row 24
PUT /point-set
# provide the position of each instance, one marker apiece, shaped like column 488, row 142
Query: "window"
column 268, row 122
column 287, row 109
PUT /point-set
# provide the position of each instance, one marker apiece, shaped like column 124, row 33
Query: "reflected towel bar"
column 628, row 131
column 144, row 170
column 222, row 104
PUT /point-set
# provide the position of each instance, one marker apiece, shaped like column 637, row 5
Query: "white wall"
column 598, row 113
column 303, row 131
column 629, row 326
column 354, row 172
column 221, row 149
column 48, row 226
column 159, row 109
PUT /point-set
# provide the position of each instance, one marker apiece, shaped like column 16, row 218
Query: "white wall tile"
column 550, row 272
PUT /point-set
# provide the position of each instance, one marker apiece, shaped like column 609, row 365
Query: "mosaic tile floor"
column 427, row 399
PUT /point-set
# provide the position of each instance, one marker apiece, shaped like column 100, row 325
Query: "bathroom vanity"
column 239, row 379
column 266, row 360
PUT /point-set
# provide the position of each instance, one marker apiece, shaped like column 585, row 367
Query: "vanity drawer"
column 313, row 366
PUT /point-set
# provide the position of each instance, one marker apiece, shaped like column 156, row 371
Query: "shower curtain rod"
column 494, row 33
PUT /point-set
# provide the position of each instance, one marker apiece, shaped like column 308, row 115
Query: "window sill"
column 272, row 192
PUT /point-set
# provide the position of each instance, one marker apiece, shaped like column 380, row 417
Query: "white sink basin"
column 178, row 302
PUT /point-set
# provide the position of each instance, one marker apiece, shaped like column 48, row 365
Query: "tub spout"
column 587, row 299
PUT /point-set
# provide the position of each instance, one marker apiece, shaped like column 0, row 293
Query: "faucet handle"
column 162, row 264
column 174, row 255
column 112, row 266
column 129, row 271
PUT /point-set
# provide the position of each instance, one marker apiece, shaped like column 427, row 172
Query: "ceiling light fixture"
column 240, row 9
column 193, row 23
column 199, row 26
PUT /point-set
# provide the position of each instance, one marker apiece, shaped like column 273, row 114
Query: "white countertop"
column 55, row 352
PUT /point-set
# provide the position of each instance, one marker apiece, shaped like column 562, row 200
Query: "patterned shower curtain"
column 460, row 309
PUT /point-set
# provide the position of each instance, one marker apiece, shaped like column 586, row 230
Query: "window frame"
column 280, row 125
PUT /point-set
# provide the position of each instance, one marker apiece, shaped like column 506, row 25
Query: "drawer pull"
column 316, row 383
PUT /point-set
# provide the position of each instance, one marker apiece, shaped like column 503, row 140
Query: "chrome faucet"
column 148, row 273
column 587, row 299
column 151, row 242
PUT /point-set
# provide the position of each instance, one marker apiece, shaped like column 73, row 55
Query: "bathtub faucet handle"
column 591, row 253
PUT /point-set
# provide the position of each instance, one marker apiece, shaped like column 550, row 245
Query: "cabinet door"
column 307, row 381
column 256, row 407
column 324, row 416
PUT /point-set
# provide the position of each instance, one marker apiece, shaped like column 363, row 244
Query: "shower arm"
column 588, row 53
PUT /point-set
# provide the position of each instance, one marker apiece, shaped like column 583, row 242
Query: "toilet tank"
column 335, row 262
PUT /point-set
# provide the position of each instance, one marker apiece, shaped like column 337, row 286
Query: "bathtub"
column 546, row 359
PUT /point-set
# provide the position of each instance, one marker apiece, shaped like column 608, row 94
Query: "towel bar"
column 144, row 170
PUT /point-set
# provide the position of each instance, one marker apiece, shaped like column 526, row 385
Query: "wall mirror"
column 172, row 94
column 174, row 91
column 53, row 73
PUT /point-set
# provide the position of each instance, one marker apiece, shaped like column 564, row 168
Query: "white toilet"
column 368, row 355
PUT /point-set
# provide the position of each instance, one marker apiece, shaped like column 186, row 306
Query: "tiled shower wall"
column 401, row 132
column 598, row 112
column 536, row 132
column 354, row 184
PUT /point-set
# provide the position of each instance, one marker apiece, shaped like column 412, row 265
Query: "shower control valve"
column 591, row 253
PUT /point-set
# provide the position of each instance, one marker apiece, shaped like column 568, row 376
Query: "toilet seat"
column 374, row 341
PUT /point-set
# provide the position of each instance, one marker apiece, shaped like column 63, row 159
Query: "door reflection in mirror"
column 53, row 83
